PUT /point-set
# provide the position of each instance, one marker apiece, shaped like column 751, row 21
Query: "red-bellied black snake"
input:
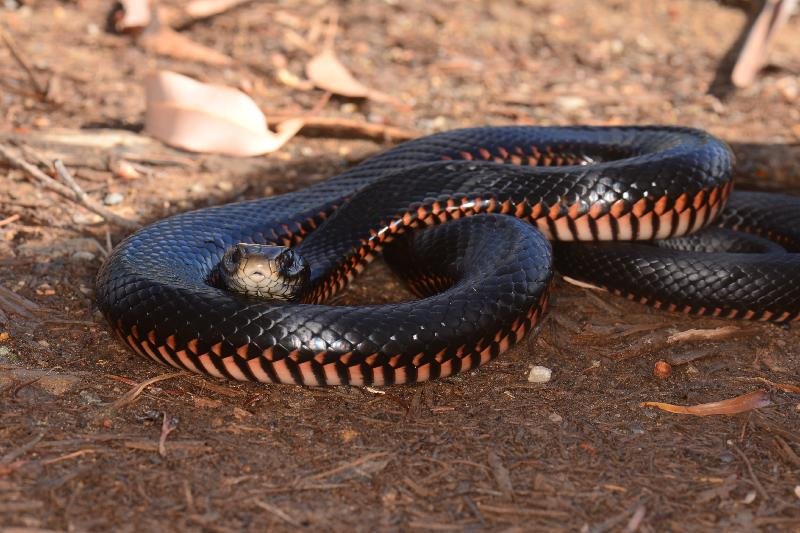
column 483, row 280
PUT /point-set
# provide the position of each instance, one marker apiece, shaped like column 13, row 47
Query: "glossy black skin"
column 713, row 272
column 156, row 281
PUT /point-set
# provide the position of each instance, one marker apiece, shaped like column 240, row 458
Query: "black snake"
column 482, row 281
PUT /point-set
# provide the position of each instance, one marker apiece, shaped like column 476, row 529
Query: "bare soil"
column 484, row 450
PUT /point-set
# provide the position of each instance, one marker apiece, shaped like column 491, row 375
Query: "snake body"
column 482, row 280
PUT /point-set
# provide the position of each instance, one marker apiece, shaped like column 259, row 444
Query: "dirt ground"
column 485, row 450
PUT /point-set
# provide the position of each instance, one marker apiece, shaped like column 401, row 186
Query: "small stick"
column 71, row 191
column 130, row 396
column 41, row 91
column 277, row 511
column 86, row 201
column 347, row 126
column 168, row 425
column 9, row 220
column 750, row 471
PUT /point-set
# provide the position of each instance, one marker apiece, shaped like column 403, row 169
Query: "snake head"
column 264, row 271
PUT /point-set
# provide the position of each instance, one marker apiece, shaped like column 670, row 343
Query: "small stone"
column 571, row 103
column 87, row 218
column 797, row 491
column 662, row 370
column 241, row 414
column 197, row 188
column 726, row 457
column 540, row 374
column 555, row 418
column 749, row 498
column 83, row 256
column 113, row 198
column 125, row 170
column 90, row 398
column 225, row 186
column 45, row 289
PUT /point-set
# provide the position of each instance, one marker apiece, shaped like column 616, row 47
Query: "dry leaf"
column 200, row 9
column 199, row 117
column 328, row 73
column 165, row 41
column 753, row 54
column 785, row 387
column 691, row 335
column 132, row 15
column 731, row 406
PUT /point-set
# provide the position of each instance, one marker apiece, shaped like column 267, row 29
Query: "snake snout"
column 264, row 271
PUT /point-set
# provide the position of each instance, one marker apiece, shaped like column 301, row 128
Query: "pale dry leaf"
column 753, row 54
column 165, row 41
column 199, row 9
column 328, row 73
column 200, row 117
column 731, row 406
column 134, row 15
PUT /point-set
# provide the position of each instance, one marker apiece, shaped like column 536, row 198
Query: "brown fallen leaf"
column 731, row 406
column 200, row 117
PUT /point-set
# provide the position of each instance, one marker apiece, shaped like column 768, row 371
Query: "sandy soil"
column 485, row 450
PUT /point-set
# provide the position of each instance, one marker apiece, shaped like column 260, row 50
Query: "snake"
column 471, row 219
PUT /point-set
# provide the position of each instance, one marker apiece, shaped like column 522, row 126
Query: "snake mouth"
column 264, row 271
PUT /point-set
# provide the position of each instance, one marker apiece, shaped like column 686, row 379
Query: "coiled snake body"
column 482, row 280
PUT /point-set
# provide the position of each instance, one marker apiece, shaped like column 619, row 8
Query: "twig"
column 41, row 91
column 352, row 127
column 280, row 513
column 636, row 520
column 773, row 15
column 750, row 471
column 13, row 302
column 691, row 335
column 13, row 454
column 87, row 202
column 9, row 220
column 168, row 425
column 72, row 455
column 130, row 396
column 71, row 191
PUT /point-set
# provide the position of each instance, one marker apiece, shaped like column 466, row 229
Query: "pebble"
column 571, row 103
column 726, row 457
column 88, row 218
column 540, row 374
column 90, row 398
column 556, row 418
column 83, row 256
column 113, row 198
